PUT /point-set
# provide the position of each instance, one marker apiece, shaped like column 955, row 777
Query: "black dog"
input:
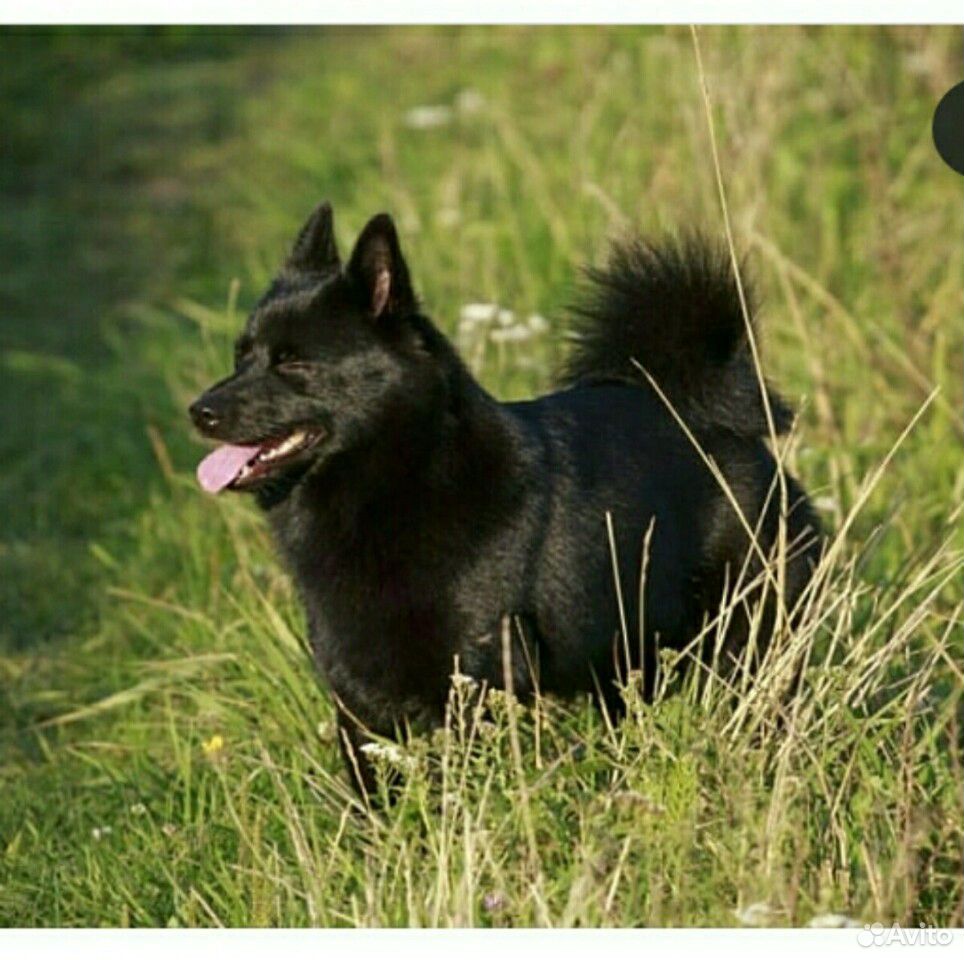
column 417, row 513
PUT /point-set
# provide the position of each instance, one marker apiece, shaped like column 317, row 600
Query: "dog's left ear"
column 378, row 267
column 315, row 250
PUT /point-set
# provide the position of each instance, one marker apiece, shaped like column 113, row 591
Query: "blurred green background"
column 150, row 180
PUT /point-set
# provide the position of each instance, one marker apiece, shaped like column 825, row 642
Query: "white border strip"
column 249, row 12
column 443, row 944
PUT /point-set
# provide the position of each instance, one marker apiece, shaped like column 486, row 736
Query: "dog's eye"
column 286, row 362
column 285, row 356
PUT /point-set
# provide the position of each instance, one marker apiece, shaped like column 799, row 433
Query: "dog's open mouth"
column 237, row 466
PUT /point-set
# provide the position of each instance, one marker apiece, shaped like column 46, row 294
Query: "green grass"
column 166, row 753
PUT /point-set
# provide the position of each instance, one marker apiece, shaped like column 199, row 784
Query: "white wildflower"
column 469, row 101
column 835, row 920
column 138, row 809
column 537, row 323
column 98, row 833
column 448, row 217
column 428, row 117
column 755, row 915
column 463, row 682
column 390, row 753
column 510, row 334
column 506, row 318
column 472, row 314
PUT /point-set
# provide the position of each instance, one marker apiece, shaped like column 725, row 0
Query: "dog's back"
column 685, row 539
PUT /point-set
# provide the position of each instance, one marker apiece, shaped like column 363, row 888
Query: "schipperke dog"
column 419, row 515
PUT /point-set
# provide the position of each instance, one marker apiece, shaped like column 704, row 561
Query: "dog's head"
column 328, row 354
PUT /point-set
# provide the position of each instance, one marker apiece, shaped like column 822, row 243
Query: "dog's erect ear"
column 378, row 266
column 315, row 250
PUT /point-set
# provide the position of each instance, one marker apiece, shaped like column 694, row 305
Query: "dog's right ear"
column 379, row 268
column 315, row 250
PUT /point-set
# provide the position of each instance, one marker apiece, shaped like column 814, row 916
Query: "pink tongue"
column 218, row 469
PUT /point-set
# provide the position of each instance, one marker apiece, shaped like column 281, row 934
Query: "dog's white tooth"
column 290, row 443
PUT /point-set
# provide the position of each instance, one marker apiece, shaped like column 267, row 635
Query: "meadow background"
column 166, row 753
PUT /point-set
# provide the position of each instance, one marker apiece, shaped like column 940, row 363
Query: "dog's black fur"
column 425, row 511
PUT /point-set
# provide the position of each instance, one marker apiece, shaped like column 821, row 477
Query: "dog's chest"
column 389, row 612
column 384, row 663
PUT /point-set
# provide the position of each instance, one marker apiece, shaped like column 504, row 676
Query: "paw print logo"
column 871, row 935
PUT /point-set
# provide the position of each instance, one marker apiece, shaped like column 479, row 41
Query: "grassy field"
column 166, row 754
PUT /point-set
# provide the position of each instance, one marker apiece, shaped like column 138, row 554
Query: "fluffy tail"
column 674, row 308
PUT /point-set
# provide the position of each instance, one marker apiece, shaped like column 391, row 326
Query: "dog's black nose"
column 205, row 417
